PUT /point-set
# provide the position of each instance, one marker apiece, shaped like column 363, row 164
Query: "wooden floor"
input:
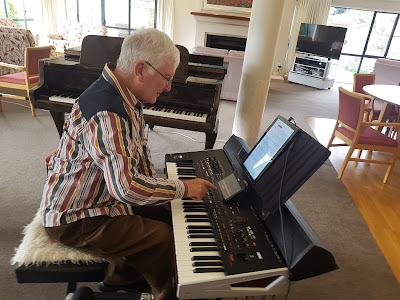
column 378, row 203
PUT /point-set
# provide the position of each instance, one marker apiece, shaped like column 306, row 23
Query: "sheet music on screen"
column 268, row 148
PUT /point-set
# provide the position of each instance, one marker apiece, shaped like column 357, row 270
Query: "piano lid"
column 97, row 50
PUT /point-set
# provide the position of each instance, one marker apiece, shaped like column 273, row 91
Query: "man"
column 101, row 194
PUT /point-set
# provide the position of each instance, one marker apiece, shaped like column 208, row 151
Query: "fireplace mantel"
column 219, row 24
column 195, row 13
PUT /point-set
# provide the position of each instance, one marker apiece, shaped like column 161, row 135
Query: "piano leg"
column 211, row 137
column 58, row 118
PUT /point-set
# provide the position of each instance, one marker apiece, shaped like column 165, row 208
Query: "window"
column 394, row 49
column 21, row 11
column 119, row 16
column 370, row 35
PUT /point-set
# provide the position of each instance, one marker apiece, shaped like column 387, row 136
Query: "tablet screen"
column 268, row 147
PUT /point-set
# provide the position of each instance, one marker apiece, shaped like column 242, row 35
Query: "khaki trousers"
column 133, row 245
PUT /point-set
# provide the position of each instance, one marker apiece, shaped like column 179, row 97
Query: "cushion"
column 18, row 78
column 72, row 31
column 37, row 248
column 13, row 42
column 210, row 51
column 370, row 136
column 236, row 53
column 89, row 29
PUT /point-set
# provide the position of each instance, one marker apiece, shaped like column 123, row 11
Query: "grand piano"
column 191, row 104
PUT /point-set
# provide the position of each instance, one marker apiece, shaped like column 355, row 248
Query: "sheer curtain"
column 165, row 17
column 53, row 14
column 306, row 11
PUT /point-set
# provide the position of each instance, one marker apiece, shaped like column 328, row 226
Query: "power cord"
column 181, row 134
column 26, row 106
column 280, row 199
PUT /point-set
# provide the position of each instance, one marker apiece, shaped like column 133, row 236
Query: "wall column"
column 258, row 61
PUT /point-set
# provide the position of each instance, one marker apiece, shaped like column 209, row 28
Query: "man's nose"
column 168, row 86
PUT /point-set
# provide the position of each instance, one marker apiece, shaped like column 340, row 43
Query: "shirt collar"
column 109, row 76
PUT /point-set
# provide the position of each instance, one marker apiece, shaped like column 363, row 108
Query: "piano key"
column 207, row 264
column 198, row 227
column 208, row 270
column 186, row 172
column 199, row 220
column 193, row 203
column 199, row 231
column 206, row 257
column 206, row 249
column 205, row 216
column 186, row 177
column 200, row 236
column 202, row 244
column 194, row 209
column 184, row 164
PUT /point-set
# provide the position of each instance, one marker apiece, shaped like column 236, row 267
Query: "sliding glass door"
column 370, row 35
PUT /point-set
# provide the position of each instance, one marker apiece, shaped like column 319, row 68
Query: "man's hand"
column 197, row 188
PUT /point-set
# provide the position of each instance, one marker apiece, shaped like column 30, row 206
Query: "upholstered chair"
column 7, row 22
column 72, row 34
column 13, row 42
column 17, row 85
column 358, row 134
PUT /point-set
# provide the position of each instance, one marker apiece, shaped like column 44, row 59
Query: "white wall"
column 185, row 25
column 184, row 22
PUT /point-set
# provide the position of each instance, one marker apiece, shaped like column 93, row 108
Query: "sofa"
column 387, row 71
column 13, row 42
column 7, row 22
column 234, row 59
column 72, row 34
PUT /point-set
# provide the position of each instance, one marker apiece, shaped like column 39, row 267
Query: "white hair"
column 148, row 44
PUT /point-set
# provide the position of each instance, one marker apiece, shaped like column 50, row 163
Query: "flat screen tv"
column 321, row 40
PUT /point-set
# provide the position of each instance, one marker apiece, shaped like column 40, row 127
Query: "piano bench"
column 39, row 259
column 68, row 272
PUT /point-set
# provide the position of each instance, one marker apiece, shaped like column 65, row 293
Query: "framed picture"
column 233, row 6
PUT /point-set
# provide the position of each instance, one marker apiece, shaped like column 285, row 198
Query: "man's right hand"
column 197, row 188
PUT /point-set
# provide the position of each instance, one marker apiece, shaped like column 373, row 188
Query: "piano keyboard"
column 63, row 98
column 200, row 269
column 149, row 110
column 175, row 114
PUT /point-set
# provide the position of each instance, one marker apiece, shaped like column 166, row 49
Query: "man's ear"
column 139, row 70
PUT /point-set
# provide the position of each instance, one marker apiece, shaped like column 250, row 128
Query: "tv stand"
column 312, row 71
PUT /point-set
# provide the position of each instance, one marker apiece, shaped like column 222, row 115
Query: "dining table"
column 389, row 94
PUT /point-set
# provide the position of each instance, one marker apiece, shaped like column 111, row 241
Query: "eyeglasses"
column 167, row 80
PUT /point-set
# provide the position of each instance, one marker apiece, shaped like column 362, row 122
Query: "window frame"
column 103, row 15
column 363, row 54
column 24, row 19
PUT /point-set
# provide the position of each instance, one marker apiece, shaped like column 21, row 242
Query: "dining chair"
column 361, row 80
column 17, row 85
column 354, row 131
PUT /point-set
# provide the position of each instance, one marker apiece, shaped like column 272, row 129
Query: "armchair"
column 13, row 42
column 17, row 85
column 7, row 22
column 72, row 34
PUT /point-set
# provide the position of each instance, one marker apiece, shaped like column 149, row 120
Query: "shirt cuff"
column 185, row 189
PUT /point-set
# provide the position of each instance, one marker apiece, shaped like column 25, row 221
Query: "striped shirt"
column 103, row 165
